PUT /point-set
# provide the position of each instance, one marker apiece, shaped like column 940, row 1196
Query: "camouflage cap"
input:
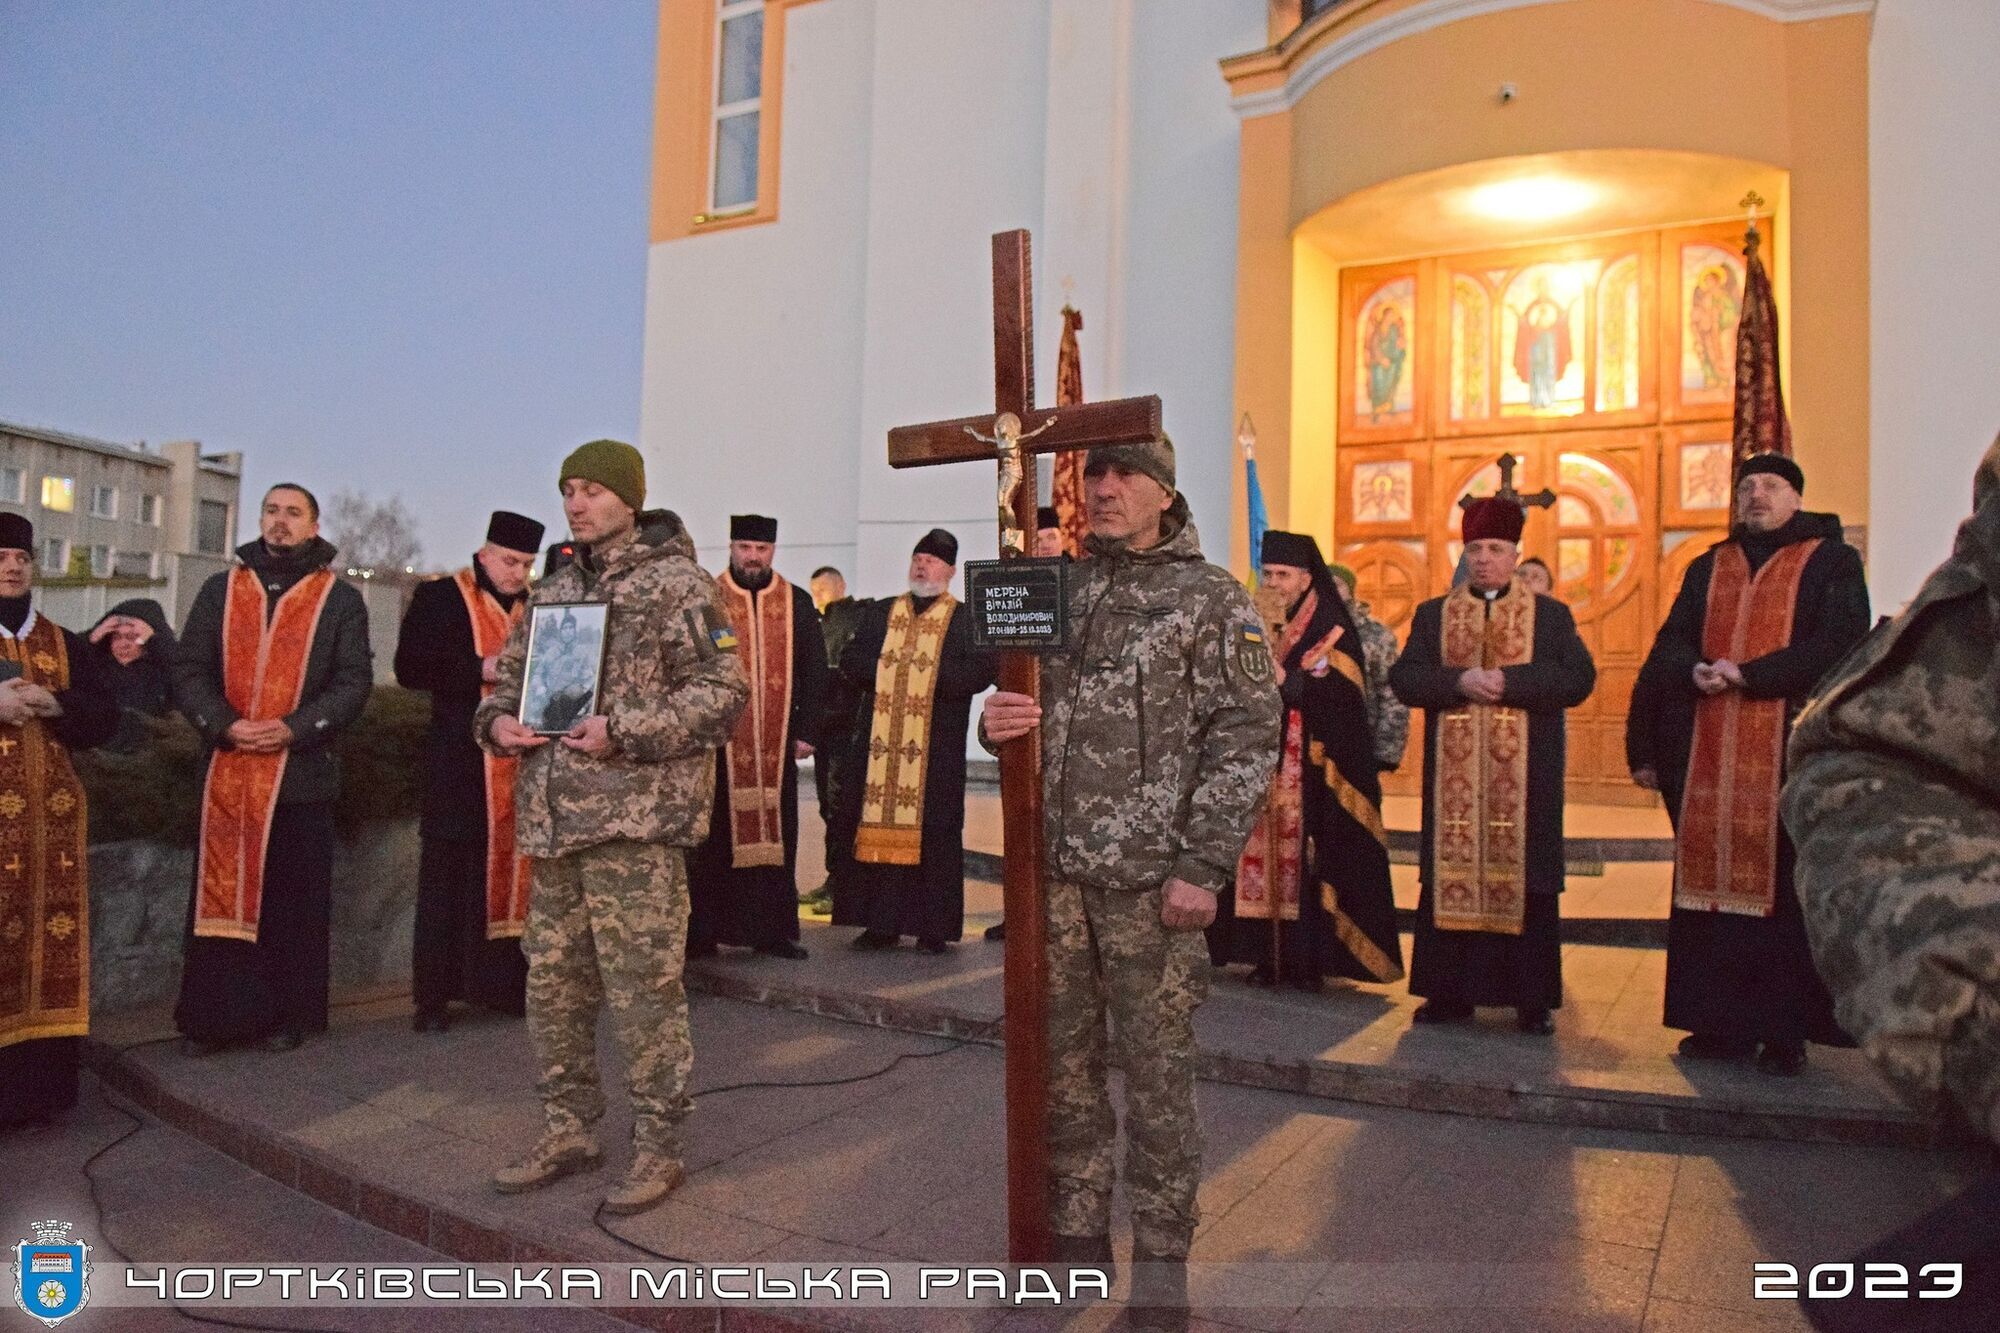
column 1155, row 459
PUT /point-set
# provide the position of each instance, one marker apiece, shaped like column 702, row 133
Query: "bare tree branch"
column 372, row 534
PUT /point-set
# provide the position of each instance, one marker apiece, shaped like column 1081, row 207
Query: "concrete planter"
column 139, row 902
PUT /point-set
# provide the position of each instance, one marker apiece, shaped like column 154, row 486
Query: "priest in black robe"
column 913, row 661
column 1760, row 619
column 1488, row 663
column 466, row 944
column 1312, row 896
column 54, row 698
column 743, row 880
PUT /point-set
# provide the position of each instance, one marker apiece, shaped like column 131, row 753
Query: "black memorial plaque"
column 1020, row 604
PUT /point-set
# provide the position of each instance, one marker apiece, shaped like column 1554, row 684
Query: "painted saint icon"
column 1542, row 348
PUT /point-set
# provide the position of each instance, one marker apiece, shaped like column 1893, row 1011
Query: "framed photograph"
column 565, row 665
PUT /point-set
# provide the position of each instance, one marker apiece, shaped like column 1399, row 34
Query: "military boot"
column 560, row 1153
column 1159, row 1292
column 1084, row 1252
column 651, row 1179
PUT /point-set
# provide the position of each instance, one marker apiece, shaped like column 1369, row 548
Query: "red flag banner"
column 1067, row 494
column 1761, row 426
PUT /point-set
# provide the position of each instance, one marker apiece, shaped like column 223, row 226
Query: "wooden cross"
column 1011, row 434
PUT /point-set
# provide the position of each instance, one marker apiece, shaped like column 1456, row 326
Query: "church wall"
column 752, row 382
column 956, row 154
column 1934, row 118
column 1668, row 74
column 1180, row 258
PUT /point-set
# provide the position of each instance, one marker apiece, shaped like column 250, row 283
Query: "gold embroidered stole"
column 1727, row 858
column 264, row 679
column 755, row 756
column 1479, row 787
column 44, row 870
column 507, row 877
column 899, row 735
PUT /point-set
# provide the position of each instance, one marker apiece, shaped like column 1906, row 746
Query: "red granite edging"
column 1372, row 1085
column 340, row 1187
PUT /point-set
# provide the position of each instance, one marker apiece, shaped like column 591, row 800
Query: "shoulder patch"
column 709, row 630
column 1249, row 651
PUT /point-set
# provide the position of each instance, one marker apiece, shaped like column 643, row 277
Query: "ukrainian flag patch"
column 1251, row 653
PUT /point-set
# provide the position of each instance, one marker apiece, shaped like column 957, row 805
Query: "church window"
column 738, row 107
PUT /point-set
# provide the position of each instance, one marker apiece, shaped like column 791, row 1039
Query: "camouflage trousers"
column 1110, row 956
column 608, row 926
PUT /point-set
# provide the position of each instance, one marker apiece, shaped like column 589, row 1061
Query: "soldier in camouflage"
column 607, row 813
column 1894, row 805
column 1388, row 716
column 1158, row 742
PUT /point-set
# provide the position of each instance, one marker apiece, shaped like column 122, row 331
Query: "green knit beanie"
column 612, row 464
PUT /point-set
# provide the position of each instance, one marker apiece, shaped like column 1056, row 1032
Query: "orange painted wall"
column 1669, row 74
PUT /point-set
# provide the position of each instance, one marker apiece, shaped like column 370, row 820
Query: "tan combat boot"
column 651, row 1179
column 559, row 1153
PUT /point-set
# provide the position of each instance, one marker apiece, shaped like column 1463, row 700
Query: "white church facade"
column 1400, row 237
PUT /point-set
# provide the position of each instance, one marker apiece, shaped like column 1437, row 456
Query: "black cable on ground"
column 104, row 1233
column 597, row 1215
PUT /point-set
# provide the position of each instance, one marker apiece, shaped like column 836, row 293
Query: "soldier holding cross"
column 1157, row 741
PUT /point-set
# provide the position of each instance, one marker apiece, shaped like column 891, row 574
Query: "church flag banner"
column 1480, row 786
column 1259, row 517
column 1066, row 493
column 45, row 935
column 507, row 876
column 1727, row 858
column 1761, row 426
column 264, row 678
column 899, row 735
column 755, row 756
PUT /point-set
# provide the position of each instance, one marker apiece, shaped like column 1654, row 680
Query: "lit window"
column 13, row 484
column 59, row 494
column 55, row 555
column 739, row 88
column 104, row 502
column 149, row 510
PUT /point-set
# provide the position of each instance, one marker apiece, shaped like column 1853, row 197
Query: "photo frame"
column 565, row 666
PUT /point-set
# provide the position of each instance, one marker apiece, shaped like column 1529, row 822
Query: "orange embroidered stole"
column 1727, row 859
column 899, row 733
column 264, row 679
column 755, row 757
column 1479, row 788
column 506, row 870
column 1267, row 874
column 44, row 871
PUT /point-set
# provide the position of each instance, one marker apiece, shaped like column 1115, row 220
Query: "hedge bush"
column 154, row 793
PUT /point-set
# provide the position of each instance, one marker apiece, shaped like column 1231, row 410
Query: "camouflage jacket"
column 1894, row 805
column 1160, row 724
column 1388, row 716
column 672, row 688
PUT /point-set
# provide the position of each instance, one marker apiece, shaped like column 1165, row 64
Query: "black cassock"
column 1749, row 978
column 38, row 1077
column 756, row 906
column 1343, row 852
column 450, row 956
column 926, row 900
column 1480, row 967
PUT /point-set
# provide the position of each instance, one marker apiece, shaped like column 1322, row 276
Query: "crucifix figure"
column 1011, row 435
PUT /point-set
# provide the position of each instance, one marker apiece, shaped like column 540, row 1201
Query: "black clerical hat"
column 939, row 543
column 752, row 528
column 1296, row 549
column 515, row 532
column 1777, row 465
column 16, row 533
column 1047, row 517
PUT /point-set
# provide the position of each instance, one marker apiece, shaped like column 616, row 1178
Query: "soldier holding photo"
column 608, row 812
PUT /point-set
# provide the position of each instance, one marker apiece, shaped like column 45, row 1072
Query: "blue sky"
column 394, row 247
